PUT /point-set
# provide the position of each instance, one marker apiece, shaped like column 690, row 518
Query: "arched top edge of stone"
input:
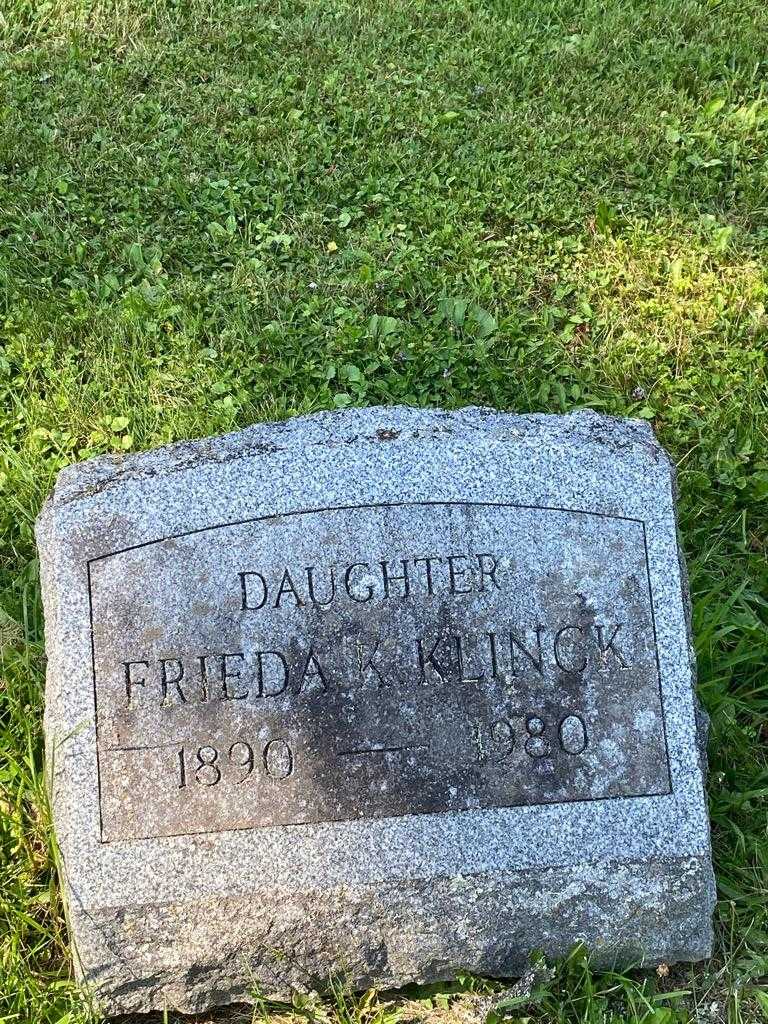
column 372, row 425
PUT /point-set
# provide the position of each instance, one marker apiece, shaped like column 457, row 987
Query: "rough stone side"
column 394, row 933
column 702, row 718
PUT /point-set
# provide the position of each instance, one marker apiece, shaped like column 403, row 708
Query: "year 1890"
column 208, row 765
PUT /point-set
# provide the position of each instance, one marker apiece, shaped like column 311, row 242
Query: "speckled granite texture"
column 256, row 783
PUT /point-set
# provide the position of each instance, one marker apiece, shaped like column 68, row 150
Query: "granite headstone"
column 385, row 693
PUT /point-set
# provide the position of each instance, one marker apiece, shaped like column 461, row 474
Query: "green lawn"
column 219, row 212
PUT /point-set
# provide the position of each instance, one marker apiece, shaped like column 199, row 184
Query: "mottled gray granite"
column 387, row 692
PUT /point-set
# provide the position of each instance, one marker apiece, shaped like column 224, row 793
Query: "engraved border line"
column 355, row 508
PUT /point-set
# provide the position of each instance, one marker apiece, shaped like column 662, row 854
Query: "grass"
column 216, row 212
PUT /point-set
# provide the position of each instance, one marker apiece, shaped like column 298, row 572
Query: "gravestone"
column 386, row 693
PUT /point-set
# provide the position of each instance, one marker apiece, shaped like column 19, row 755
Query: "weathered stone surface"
column 390, row 692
